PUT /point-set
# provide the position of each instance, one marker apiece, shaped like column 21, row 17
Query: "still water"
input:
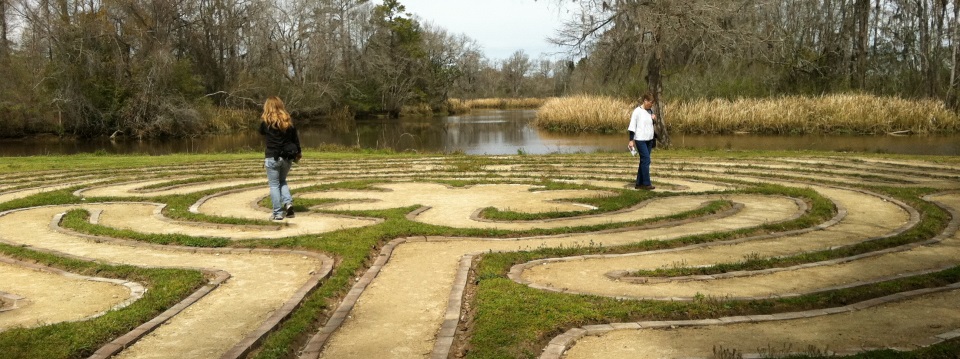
column 492, row 132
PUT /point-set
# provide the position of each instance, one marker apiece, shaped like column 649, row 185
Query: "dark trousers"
column 643, row 172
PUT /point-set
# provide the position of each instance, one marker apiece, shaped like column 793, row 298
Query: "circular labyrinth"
column 729, row 256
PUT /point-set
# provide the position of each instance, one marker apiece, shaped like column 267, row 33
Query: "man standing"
column 641, row 137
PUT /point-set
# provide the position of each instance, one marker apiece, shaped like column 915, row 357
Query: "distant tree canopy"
column 732, row 48
column 180, row 68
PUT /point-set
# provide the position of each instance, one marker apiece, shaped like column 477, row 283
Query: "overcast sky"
column 501, row 27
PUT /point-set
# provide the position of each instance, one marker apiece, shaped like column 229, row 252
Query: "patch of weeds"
column 468, row 163
column 726, row 353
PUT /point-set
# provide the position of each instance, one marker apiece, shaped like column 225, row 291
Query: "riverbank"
column 841, row 114
column 480, row 132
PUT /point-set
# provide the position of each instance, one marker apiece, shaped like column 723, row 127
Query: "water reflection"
column 481, row 132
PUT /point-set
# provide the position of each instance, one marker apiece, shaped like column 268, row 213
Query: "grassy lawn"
column 507, row 319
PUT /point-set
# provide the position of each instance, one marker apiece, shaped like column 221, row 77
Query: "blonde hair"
column 275, row 114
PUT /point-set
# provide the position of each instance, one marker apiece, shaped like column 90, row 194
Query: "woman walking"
column 641, row 139
column 282, row 149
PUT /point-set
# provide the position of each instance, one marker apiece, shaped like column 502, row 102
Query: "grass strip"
column 80, row 339
column 933, row 220
column 353, row 248
column 511, row 320
column 79, row 220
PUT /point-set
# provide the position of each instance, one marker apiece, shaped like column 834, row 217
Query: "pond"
column 492, row 132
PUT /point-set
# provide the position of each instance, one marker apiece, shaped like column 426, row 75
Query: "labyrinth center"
column 413, row 299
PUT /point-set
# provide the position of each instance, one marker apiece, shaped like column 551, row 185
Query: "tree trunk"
column 861, row 42
column 923, row 50
column 655, row 87
column 3, row 30
column 64, row 11
column 953, row 100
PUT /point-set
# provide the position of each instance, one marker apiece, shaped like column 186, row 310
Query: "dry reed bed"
column 501, row 103
column 584, row 114
column 457, row 106
column 829, row 114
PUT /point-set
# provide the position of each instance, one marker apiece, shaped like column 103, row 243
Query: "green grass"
column 78, row 220
column 509, row 320
column 166, row 287
column 513, row 320
column 932, row 222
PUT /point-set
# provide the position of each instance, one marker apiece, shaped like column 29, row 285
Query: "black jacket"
column 276, row 139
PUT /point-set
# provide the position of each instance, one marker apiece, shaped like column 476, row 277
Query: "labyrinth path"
column 414, row 294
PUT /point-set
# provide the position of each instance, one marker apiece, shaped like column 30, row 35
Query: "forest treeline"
column 184, row 67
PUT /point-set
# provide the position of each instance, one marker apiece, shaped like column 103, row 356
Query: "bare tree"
column 4, row 29
column 952, row 93
column 515, row 70
column 619, row 35
column 445, row 54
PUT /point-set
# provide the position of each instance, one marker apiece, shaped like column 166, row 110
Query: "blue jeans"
column 643, row 173
column 277, row 180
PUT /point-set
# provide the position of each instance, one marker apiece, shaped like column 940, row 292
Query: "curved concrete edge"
column 124, row 341
column 10, row 301
column 451, row 319
column 623, row 275
column 218, row 277
column 195, row 207
column 516, row 271
column 448, row 330
column 255, row 204
column 477, row 218
column 147, row 192
column 914, row 220
column 256, row 337
column 561, row 343
column 447, row 333
column 137, row 290
column 158, row 214
column 949, row 231
column 47, row 187
column 79, row 192
column 315, row 344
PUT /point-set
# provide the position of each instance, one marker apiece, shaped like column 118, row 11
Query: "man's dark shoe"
column 288, row 209
column 648, row 188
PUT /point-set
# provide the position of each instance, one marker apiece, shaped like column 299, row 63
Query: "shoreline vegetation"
column 458, row 106
column 837, row 114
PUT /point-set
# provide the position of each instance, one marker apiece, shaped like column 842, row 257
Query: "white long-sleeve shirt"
column 641, row 124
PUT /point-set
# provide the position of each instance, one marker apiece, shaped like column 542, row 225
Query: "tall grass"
column 502, row 103
column 584, row 114
column 229, row 120
column 828, row 114
column 457, row 106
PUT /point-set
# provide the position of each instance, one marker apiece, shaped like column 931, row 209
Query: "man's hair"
column 647, row 97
